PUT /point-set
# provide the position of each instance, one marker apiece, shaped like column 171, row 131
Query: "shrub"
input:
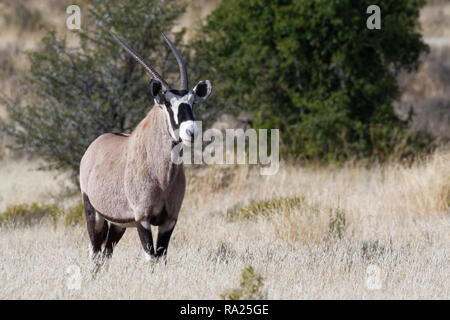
column 265, row 208
column 250, row 287
column 96, row 88
column 337, row 223
column 314, row 70
column 29, row 214
column 74, row 215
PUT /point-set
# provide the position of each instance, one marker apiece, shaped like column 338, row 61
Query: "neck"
column 151, row 148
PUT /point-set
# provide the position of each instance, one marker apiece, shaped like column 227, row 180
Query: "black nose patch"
column 185, row 112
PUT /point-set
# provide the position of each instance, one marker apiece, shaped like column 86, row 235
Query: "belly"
column 155, row 220
column 132, row 224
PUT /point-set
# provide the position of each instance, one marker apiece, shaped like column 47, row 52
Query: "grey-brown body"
column 130, row 181
column 132, row 178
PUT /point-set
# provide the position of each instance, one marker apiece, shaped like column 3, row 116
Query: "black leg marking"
column 95, row 236
column 146, row 239
column 163, row 240
column 114, row 236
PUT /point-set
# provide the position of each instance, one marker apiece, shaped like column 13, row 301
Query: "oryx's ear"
column 203, row 90
column 155, row 88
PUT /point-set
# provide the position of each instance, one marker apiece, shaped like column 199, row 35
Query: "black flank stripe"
column 172, row 120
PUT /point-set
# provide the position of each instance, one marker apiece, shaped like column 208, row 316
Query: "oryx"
column 130, row 180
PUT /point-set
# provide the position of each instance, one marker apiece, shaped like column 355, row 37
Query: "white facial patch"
column 172, row 133
column 187, row 129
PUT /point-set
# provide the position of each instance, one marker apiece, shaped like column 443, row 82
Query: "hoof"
column 151, row 258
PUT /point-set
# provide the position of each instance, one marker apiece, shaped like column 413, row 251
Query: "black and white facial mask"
column 177, row 105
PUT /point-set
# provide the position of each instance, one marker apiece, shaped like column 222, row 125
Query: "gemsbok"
column 130, row 180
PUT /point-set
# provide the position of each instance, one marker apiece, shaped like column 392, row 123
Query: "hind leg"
column 164, row 233
column 114, row 235
column 145, row 235
column 96, row 226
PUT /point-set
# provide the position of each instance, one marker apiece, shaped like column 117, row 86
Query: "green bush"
column 314, row 70
column 74, row 215
column 29, row 214
column 250, row 287
column 337, row 223
column 81, row 93
column 265, row 208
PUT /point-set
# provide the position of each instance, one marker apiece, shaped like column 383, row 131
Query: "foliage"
column 313, row 69
column 337, row 223
column 74, row 215
column 250, row 287
column 29, row 214
column 265, row 208
column 80, row 93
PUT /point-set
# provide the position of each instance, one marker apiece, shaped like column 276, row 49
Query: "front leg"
column 145, row 235
column 164, row 234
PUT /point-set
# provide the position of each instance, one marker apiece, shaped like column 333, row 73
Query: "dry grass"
column 21, row 182
column 195, row 16
column 309, row 233
column 434, row 19
column 395, row 217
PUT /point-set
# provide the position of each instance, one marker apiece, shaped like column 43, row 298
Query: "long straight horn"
column 147, row 67
column 184, row 81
